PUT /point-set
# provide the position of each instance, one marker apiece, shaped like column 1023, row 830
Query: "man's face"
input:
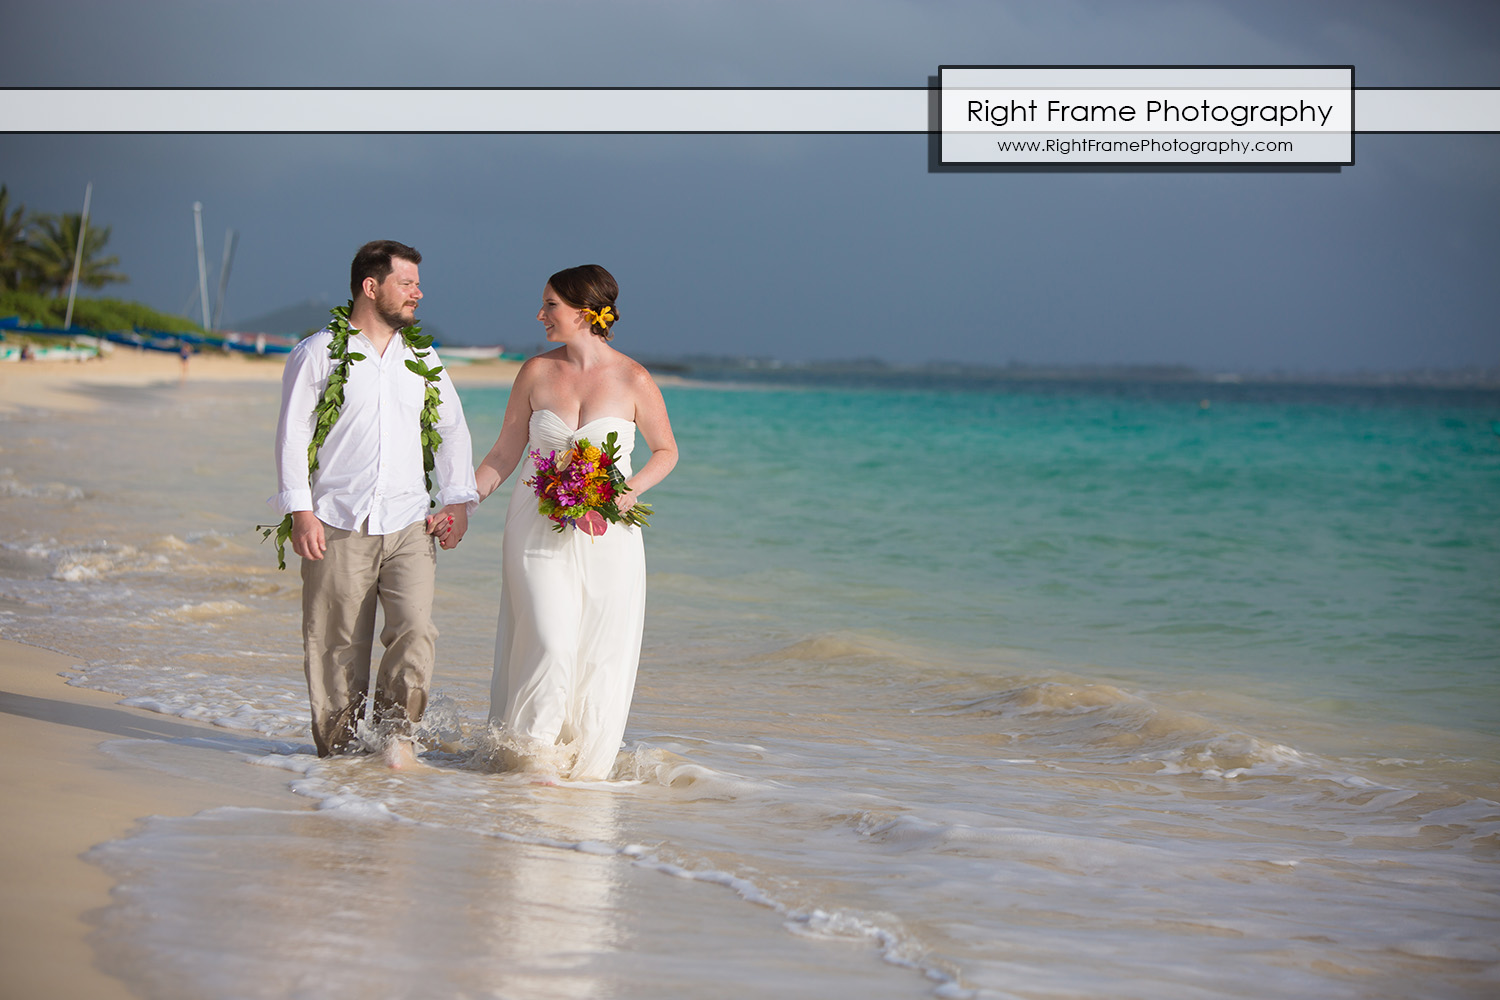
column 396, row 297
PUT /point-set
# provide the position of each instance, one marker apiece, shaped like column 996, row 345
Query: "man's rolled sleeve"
column 292, row 501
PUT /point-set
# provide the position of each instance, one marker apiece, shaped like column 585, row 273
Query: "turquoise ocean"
column 951, row 687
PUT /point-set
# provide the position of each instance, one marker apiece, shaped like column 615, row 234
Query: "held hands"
column 310, row 542
column 449, row 524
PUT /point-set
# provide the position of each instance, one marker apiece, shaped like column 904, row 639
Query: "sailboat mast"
column 230, row 239
column 202, row 269
column 83, row 227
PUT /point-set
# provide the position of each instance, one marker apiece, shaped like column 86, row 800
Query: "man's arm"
column 453, row 468
column 294, row 431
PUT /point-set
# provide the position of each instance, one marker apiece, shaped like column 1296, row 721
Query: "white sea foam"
column 689, row 780
column 353, row 806
column 201, row 706
column 298, row 761
column 83, row 565
column 895, row 947
column 206, row 611
column 1230, row 755
column 12, row 487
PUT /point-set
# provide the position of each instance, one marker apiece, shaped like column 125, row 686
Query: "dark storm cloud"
column 697, row 43
column 796, row 246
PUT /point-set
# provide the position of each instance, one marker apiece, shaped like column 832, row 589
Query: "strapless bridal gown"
column 571, row 611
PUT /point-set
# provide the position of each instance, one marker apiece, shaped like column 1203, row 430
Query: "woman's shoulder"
column 631, row 371
column 538, row 365
column 638, row 384
column 555, row 356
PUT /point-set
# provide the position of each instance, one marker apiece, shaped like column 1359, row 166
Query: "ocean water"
column 949, row 688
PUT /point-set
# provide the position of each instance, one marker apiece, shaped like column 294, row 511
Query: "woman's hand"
column 449, row 524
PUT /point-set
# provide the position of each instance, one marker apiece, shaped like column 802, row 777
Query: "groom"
column 360, row 517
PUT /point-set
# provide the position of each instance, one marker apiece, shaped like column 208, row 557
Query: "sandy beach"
column 75, row 797
column 63, row 385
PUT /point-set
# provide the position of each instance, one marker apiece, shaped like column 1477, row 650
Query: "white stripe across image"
column 571, row 110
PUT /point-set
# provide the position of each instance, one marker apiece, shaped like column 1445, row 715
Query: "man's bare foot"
column 399, row 756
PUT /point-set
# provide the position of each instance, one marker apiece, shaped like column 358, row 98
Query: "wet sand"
column 63, row 796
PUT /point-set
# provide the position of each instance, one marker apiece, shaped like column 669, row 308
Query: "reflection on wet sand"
column 328, row 906
column 552, row 913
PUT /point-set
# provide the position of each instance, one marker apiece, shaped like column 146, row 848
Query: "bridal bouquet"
column 581, row 487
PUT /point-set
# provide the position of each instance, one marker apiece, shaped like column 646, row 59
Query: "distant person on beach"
column 185, row 352
column 572, row 602
column 360, row 511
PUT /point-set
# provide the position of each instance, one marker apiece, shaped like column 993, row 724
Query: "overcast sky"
column 796, row 247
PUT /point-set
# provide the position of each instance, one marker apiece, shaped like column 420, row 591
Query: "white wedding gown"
column 571, row 612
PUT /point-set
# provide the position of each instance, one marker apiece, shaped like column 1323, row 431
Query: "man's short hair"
column 373, row 260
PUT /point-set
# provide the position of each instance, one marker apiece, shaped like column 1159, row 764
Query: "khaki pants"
column 339, row 593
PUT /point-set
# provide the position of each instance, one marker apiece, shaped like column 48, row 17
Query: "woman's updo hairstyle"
column 590, row 287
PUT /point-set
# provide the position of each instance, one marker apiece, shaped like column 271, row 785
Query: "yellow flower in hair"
column 604, row 317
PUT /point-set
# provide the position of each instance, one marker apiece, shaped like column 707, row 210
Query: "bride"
column 572, row 604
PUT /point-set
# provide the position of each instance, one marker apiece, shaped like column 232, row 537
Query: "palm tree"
column 12, row 241
column 48, row 260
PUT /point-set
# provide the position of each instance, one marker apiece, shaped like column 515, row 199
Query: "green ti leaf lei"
column 326, row 413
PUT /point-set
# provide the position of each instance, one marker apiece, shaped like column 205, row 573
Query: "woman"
column 572, row 604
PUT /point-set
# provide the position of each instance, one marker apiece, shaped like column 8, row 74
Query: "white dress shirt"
column 371, row 464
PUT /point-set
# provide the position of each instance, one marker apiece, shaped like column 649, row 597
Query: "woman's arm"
column 651, row 418
column 514, row 430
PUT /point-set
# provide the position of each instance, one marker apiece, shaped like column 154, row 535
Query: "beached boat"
column 496, row 353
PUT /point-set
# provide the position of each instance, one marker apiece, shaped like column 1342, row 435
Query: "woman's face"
column 559, row 319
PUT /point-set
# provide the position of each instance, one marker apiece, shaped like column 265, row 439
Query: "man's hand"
column 449, row 524
column 307, row 535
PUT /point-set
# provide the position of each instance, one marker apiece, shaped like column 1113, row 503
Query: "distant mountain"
column 308, row 316
column 305, row 317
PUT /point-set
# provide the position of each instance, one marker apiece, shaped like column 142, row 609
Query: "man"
column 360, row 518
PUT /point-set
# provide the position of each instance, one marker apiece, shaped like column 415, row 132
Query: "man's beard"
column 396, row 318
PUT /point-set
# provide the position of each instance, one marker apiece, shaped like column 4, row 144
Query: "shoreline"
column 68, row 796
